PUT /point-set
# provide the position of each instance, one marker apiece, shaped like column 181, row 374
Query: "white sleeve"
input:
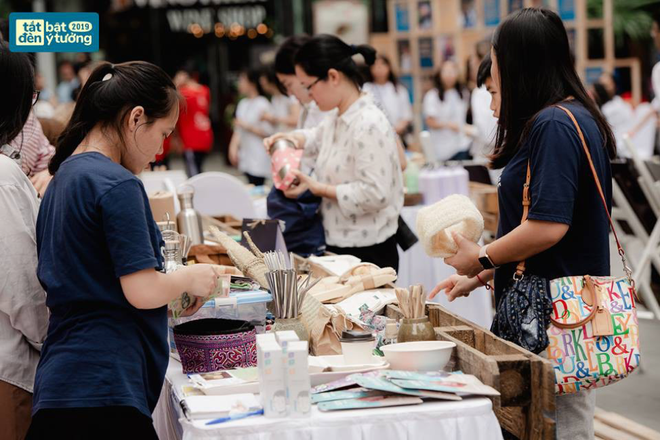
column 429, row 105
column 21, row 296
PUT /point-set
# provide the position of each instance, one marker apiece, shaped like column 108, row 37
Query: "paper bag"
column 162, row 203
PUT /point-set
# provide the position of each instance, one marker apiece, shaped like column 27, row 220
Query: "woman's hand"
column 197, row 304
column 202, row 279
column 267, row 117
column 466, row 261
column 456, row 286
column 298, row 140
column 233, row 154
column 309, row 183
column 239, row 123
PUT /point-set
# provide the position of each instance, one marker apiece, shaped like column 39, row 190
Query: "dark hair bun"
column 367, row 52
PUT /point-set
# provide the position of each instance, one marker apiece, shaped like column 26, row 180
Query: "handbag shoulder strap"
column 526, row 201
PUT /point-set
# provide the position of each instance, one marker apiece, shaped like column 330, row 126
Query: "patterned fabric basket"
column 208, row 345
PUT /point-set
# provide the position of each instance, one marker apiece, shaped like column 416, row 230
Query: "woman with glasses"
column 23, row 312
column 358, row 172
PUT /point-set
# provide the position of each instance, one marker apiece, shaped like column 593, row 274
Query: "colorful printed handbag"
column 592, row 333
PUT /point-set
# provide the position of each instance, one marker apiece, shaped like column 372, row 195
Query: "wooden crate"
column 526, row 381
column 485, row 197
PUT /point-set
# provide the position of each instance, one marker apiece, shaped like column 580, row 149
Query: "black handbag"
column 523, row 313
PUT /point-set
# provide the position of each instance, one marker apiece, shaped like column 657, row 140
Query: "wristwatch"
column 485, row 260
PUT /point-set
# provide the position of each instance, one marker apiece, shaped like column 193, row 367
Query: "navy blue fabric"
column 303, row 234
column 94, row 226
column 563, row 191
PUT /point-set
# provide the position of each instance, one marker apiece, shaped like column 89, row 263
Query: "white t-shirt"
column 453, row 108
column 393, row 101
column 621, row 117
column 655, row 82
column 484, row 121
column 357, row 152
column 281, row 106
column 23, row 312
column 252, row 156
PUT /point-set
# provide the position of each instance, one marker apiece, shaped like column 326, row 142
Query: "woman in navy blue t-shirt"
column 567, row 232
column 104, row 359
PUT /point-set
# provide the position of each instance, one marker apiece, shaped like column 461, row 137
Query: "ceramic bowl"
column 418, row 356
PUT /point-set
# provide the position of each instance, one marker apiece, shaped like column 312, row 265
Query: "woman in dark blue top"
column 567, row 232
column 104, row 359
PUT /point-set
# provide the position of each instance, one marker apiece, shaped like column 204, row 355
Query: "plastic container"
column 243, row 306
column 357, row 347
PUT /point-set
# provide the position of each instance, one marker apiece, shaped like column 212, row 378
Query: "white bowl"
column 418, row 356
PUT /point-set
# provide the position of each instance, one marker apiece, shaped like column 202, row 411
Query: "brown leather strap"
column 520, row 269
column 593, row 301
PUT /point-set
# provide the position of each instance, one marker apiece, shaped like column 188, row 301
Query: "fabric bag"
column 586, row 325
column 303, row 232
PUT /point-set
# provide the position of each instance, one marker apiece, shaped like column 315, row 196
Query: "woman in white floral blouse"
column 358, row 171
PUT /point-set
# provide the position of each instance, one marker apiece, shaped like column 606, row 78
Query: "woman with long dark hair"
column 445, row 113
column 567, row 231
column 23, row 312
column 103, row 362
column 358, row 172
column 390, row 95
column 246, row 149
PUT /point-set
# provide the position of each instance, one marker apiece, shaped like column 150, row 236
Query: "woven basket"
column 207, row 345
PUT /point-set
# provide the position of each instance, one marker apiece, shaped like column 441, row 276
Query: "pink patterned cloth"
column 281, row 159
column 205, row 353
column 34, row 147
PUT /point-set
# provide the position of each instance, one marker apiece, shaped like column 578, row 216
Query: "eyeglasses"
column 35, row 96
column 309, row 87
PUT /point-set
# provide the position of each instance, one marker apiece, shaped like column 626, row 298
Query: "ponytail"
column 325, row 52
column 108, row 96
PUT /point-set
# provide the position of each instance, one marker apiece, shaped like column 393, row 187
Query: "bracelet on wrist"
column 486, row 285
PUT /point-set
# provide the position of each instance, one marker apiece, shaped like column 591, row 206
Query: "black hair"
column 484, row 70
column 601, row 95
column 325, row 52
column 536, row 71
column 437, row 82
column 4, row 29
column 286, row 54
column 269, row 73
column 391, row 77
column 253, row 76
column 17, row 83
column 109, row 95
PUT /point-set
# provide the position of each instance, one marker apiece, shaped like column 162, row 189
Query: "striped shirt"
column 34, row 147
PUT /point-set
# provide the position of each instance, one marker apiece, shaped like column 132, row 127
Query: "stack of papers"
column 211, row 407
column 393, row 388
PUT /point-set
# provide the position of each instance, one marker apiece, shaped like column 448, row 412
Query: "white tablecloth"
column 415, row 267
column 469, row 419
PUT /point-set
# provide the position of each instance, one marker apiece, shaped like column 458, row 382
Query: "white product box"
column 272, row 388
column 297, row 379
column 286, row 336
